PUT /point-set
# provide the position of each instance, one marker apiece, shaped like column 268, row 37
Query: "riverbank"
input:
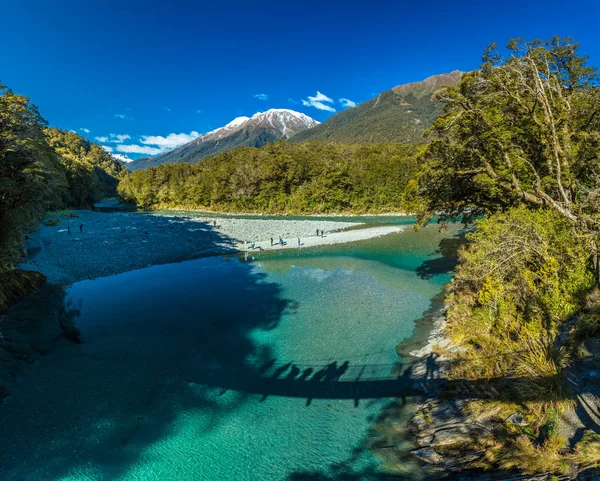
column 114, row 242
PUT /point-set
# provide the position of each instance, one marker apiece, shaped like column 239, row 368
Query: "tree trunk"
column 595, row 261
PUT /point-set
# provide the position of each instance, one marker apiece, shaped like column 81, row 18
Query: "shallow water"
column 224, row 368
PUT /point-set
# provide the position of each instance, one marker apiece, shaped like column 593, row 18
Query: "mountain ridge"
column 260, row 129
column 400, row 114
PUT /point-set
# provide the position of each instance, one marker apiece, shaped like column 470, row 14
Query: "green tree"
column 522, row 130
column 31, row 176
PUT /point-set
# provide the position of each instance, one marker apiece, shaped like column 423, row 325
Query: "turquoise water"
column 224, row 368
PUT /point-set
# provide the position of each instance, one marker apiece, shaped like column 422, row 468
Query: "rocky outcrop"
column 443, row 434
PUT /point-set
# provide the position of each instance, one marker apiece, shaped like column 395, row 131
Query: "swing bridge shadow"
column 342, row 380
column 333, row 380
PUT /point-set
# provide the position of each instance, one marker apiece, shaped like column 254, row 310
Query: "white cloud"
column 118, row 138
column 114, row 138
column 123, row 116
column 167, row 109
column 122, row 158
column 319, row 101
column 347, row 102
column 152, row 144
column 83, row 129
column 199, row 111
column 170, row 141
column 293, row 101
column 139, row 149
column 261, row 96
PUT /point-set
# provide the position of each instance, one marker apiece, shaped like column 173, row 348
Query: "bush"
column 587, row 451
column 52, row 222
column 521, row 276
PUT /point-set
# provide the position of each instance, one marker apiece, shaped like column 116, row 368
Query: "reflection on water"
column 225, row 368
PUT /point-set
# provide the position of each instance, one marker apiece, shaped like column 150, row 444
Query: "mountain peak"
column 400, row 114
column 237, row 121
column 429, row 85
column 256, row 131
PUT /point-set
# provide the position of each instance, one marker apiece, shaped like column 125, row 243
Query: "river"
column 240, row 367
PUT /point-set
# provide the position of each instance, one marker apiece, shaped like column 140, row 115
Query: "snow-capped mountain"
column 255, row 131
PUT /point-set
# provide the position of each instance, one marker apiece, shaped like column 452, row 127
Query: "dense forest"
column 517, row 152
column 42, row 169
column 281, row 178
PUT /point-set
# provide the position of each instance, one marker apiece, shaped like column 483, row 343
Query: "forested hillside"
column 41, row 169
column 279, row 178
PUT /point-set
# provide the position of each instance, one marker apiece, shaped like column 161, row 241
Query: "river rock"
column 517, row 419
column 459, row 434
column 427, row 455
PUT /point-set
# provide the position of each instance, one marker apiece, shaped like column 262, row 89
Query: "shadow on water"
column 160, row 342
column 390, row 438
column 446, row 257
column 139, row 360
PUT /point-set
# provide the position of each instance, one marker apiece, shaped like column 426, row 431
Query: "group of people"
column 80, row 229
column 253, row 245
column 280, row 242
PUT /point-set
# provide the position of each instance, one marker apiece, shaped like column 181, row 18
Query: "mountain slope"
column 260, row 129
column 397, row 115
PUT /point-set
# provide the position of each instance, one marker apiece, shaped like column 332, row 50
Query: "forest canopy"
column 281, row 178
column 44, row 168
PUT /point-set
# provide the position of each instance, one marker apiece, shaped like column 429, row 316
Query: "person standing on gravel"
column 317, row 232
column 81, row 228
column 271, row 242
column 69, row 229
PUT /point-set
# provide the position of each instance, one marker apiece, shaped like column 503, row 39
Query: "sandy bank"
column 111, row 243
column 327, row 239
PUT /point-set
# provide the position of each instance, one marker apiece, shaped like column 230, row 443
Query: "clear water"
column 224, row 368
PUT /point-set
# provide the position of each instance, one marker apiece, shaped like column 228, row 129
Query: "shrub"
column 587, row 451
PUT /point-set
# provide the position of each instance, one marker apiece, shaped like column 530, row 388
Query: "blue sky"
column 164, row 71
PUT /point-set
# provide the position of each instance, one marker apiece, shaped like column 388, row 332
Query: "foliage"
column 587, row 451
column 522, row 275
column 16, row 284
column 522, row 130
column 282, row 177
column 31, row 177
column 92, row 173
column 523, row 454
column 43, row 169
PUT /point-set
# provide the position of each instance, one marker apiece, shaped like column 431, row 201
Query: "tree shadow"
column 446, row 257
column 145, row 342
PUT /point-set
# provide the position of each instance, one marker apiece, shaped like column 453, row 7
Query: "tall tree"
column 524, row 129
column 31, row 176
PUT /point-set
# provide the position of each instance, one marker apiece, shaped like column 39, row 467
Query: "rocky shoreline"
column 88, row 244
column 444, row 424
